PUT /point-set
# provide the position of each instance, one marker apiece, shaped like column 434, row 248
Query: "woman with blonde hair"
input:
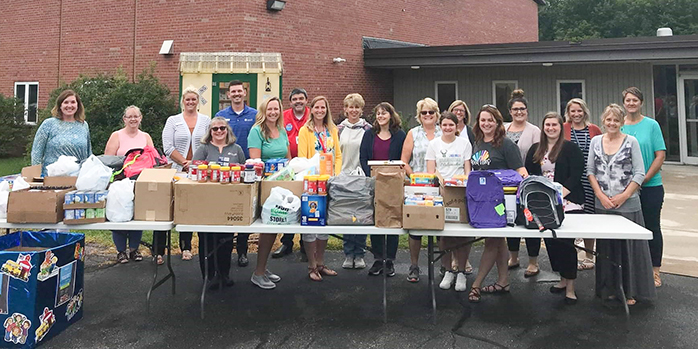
column 579, row 130
column 319, row 135
column 461, row 110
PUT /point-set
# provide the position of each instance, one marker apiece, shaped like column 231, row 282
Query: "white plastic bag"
column 19, row 184
column 64, row 166
column 281, row 207
column 120, row 201
column 358, row 171
column 93, row 175
column 300, row 164
column 4, row 196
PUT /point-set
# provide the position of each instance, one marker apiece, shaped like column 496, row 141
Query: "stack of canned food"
column 84, row 197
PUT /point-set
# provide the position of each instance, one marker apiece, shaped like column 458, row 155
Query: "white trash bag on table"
column 64, row 166
column 120, row 201
column 4, row 196
column 281, row 207
column 94, row 175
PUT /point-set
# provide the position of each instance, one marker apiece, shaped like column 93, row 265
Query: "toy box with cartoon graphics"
column 41, row 285
column 313, row 209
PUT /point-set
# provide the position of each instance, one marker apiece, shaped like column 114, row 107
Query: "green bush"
column 14, row 133
column 106, row 96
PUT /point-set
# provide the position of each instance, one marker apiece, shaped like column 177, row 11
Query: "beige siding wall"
column 603, row 85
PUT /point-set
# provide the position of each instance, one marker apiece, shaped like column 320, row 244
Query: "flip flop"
column 514, row 266
column 528, row 273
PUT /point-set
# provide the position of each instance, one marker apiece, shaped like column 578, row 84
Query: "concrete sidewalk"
column 680, row 220
column 345, row 312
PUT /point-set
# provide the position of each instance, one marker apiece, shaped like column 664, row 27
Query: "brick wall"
column 99, row 37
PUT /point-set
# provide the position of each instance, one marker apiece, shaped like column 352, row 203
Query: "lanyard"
column 318, row 135
column 576, row 140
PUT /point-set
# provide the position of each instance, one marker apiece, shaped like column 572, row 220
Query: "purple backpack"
column 485, row 196
column 509, row 178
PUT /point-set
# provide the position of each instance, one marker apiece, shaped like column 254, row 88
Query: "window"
column 566, row 90
column 501, row 93
column 28, row 93
column 446, row 93
column 666, row 110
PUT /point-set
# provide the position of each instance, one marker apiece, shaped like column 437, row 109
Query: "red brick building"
column 48, row 41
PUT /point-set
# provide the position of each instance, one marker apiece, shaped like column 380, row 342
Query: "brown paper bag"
column 389, row 198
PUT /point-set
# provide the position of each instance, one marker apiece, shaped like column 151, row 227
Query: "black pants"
column 563, row 257
column 377, row 242
column 652, row 199
column 225, row 249
column 287, row 239
column 185, row 241
column 159, row 242
column 240, row 244
column 532, row 245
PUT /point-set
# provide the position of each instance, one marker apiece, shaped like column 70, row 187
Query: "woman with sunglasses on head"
column 267, row 140
column 319, row 135
column 648, row 133
column 580, row 131
column 414, row 151
column 120, row 142
column 450, row 155
column 560, row 161
column 524, row 134
column 616, row 172
column 492, row 151
column 219, row 142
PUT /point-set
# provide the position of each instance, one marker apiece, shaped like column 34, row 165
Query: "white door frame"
column 692, row 160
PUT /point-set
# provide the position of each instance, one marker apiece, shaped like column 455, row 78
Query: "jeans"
column 377, row 242
column 652, row 199
column 354, row 245
column 120, row 236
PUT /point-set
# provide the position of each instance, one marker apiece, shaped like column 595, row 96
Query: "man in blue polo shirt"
column 240, row 116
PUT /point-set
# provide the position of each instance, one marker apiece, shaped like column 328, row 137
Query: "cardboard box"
column 296, row 187
column 510, row 206
column 35, row 205
column 215, row 203
column 423, row 217
column 313, row 210
column 67, row 181
column 100, row 205
column 420, row 190
column 32, row 174
column 154, row 195
column 455, row 205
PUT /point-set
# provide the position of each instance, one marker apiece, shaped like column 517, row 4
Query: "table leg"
column 202, row 242
column 430, row 254
column 171, row 273
column 385, row 280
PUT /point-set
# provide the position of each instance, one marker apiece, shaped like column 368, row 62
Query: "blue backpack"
column 485, row 197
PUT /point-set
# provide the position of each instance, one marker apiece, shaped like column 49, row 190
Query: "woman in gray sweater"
column 616, row 171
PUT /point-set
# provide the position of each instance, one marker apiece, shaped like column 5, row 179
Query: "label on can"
column 78, row 197
column 90, row 213
column 80, row 214
column 89, row 197
column 69, row 198
column 99, row 213
column 69, row 214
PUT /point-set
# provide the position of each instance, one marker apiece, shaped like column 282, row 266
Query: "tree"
column 106, row 96
column 576, row 20
column 13, row 131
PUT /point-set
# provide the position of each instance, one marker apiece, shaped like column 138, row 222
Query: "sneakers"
column 461, row 282
column 390, row 268
column 348, row 263
column 136, row 256
column 122, row 257
column 359, row 263
column 413, row 275
column 262, row 281
column 447, row 281
column 271, row 276
column 376, row 269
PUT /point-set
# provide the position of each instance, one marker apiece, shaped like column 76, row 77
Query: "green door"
column 220, row 88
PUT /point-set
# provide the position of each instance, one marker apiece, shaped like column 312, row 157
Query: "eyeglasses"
column 430, row 112
column 518, row 109
column 218, row 128
column 458, row 110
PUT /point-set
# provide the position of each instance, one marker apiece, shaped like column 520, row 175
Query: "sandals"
column 495, row 288
column 159, row 260
column 468, row 268
column 324, row 270
column 528, row 273
column 186, row 255
column 657, row 279
column 314, row 274
column 586, row 264
column 474, row 296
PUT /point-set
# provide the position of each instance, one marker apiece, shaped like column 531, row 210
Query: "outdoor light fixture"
column 547, row 64
column 276, row 5
column 415, row 67
column 166, row 48
column 338, row 60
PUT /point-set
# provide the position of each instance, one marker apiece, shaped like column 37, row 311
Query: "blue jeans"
column 120, row 236
column 354, row 245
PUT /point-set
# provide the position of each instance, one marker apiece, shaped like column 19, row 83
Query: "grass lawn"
column 10, row 166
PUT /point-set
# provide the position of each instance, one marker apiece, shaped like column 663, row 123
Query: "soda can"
column 79, row 214
column 101, row 196
column 78, row 197
column 90, row 213
column 99, row 213
column 89, row 197
column 68, row 214
column 68, row 199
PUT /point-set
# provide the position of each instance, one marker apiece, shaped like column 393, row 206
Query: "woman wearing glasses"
column 462, row 112
column 414, row 151
column 492, row 151
column 524, row 134
column 218, row 142
column 120, row 142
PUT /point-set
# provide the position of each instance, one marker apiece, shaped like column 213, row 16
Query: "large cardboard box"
column 32, row 174
column 423, row 217
column 35, row 205
column 455, row 205
column 154, row 195
column 296, row 187
column 215, row 203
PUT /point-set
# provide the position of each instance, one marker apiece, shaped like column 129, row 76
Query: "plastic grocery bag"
column 93, row 175
column 4, row 196
column 120, row 201
column 19, row 184
column 64, row 166
column 350, row 200
column 281, row 207
column 300, row 164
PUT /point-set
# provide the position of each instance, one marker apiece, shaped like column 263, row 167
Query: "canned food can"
column 99, row 213
column 80, row 214
column 78, row 197
column 193, row 173
column 89, row 213
column 101, row 196
column 68, row 199
column 69, row 214
column 89, row 197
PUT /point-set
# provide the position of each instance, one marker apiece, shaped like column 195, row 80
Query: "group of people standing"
column 616, row 171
